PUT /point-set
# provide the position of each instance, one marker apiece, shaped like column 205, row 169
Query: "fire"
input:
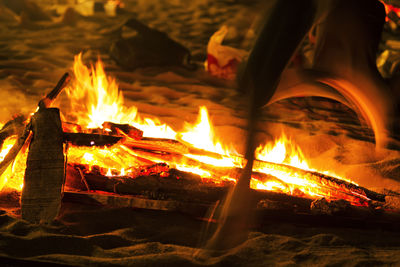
column 201, row 135
column 13, row 177
column 7, row 145
column 95, row 99
column 282, row 151
column 116, row 158
column 389, row 8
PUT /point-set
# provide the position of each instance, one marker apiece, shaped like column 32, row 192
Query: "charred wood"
column 127, row 129
column 155, row 182
column 162, row 183
column 84, row 139
column 157, row 145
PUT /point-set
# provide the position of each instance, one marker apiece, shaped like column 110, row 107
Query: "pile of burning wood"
column 161, row 173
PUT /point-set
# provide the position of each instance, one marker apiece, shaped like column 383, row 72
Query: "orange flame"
column 95, row 99
column 389, row 8
column 282, row 151
column 13, row 176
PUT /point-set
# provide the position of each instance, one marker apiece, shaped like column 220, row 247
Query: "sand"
column 35, row 54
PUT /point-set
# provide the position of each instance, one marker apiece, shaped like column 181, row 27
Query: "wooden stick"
column 62, row 83
column 126, row 129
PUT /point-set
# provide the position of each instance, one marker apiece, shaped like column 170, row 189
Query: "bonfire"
column 110, row 148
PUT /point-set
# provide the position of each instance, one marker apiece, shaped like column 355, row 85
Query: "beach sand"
column 35, row 54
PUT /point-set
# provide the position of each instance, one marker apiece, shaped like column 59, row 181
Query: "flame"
column 13, row 176
column 201, row 135
column 95, row 99
column 389, row 8
column 117, row 157
column 282, row 151
column 7, row 145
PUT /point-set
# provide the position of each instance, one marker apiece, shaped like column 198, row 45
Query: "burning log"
column 84, row 139
column 358, row 192
column 162, row 150
column 126, row 129
column 156, row 181
column 159, row 182
column 159, row 145
column 110, row 134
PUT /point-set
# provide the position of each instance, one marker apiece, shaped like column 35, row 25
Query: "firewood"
column 98, row 198
column 169, row 184
column 281, row 212
column 85, row 139
column 160, row 145
column 329, row 184
column 127, row 129
column 44, row 174
column 326, row 181
column 71, row 127
column 155, row 181
column 165, row 145
column 173, row 151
